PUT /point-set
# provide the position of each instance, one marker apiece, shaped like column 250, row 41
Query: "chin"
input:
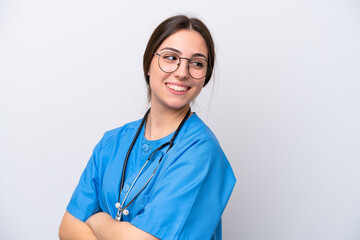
column 171, row 103
column 177, row 105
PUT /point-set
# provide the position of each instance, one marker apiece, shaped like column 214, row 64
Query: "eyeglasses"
column 169, row 62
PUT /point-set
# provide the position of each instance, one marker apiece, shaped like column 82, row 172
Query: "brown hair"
column 170, row 26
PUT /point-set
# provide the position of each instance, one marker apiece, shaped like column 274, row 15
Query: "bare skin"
column 100, row 226
column 73, row 228
column 161, row 123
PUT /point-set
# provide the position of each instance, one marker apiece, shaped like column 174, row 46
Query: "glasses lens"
column 197, row 68
column 168, row 61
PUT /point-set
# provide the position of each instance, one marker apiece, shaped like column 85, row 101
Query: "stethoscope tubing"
column 170, row 143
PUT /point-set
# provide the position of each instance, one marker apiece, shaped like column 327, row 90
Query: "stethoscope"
column 121, row 209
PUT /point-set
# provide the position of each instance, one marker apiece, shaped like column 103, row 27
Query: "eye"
column 170, row 57
column 197, row 63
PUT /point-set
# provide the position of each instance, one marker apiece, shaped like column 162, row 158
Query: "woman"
column 165, row 176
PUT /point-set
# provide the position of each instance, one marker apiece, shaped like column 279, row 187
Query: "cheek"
column 153, row 67
column 200, row 84
column 198, row 89
column 156, row 74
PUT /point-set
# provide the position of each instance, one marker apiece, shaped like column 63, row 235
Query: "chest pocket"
column 137, row 207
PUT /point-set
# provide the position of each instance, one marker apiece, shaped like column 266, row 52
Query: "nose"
column 182, row 71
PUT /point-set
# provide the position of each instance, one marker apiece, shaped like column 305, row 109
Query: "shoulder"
column 197, row 141
column 120, row 132
column 204, row 150
column 196, row 131
column 198, row 151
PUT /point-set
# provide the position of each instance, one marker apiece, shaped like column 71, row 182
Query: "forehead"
column 188, row 42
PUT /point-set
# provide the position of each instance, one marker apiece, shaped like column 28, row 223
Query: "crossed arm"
column 100, row 226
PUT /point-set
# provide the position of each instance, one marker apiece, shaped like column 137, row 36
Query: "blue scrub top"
column 185, row 198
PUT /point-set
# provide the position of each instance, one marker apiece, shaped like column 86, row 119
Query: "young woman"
column 165, row 176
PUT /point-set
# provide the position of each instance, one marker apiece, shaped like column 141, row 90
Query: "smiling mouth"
column 176, row 87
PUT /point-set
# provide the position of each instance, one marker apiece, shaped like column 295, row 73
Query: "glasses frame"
column 178, row 65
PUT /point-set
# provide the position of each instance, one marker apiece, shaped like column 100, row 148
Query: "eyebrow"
column 179, row 52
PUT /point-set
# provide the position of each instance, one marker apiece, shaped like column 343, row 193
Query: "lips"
column 177, row 88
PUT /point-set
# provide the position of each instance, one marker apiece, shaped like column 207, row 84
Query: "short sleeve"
column 190, row 196
column 84, row 201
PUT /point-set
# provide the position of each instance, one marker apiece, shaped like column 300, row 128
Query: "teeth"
column 176, row 87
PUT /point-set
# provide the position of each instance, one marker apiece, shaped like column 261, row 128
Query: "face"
column 177, row 89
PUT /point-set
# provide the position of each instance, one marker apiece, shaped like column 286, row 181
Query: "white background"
column 285, row 106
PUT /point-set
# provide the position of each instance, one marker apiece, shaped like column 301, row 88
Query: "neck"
column 162, row 122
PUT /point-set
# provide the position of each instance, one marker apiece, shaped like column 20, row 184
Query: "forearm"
column 106, row 228
column 72, row 228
